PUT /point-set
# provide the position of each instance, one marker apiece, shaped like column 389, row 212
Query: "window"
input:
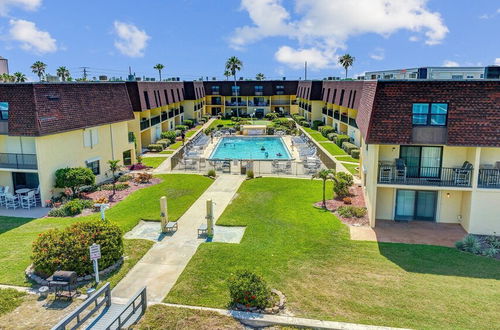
column 341, row 97
column 334, row 95
column 215, row 89
column 173, row 97
column 90, row 137
column 156, row 99
column 457, row 76
column 127, row 157
column 235, row 89
column 430, row 114
column 353, row 99
column 146, row 98
column 178, row 95
column 4, row 110
column 166, row 96
column 94, row 166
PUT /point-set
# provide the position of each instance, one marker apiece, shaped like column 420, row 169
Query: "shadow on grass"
column 9, row 223
column 438, row 260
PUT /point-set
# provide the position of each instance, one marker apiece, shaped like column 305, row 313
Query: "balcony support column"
column 475, row 170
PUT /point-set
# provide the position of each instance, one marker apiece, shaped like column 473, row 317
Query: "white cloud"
column 295, row 58
column 378, row 54
column 30, row 37
column 6, row 5
column 324, row 26
column 414, row 38
column 488, row 16
column 497, row 61
column 131, row 41
column 449, row 63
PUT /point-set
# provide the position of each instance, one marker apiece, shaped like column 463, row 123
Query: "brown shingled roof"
column 49, row 108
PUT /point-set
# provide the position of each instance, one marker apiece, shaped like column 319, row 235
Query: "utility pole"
column 84, row 72
column 305, row 70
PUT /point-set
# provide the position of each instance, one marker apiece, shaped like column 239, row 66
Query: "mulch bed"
column 357, row 199
column 119, row 195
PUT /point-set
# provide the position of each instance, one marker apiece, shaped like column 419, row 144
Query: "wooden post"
column 163, row 214
column 210, row 218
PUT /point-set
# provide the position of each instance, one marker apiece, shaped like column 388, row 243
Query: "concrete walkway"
column 164, row 262
column 263, row 320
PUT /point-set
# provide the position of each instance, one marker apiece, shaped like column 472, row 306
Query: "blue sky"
column 192, row 38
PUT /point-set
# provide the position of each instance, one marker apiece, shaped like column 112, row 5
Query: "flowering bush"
column 249, row 289
column 143, row 178
column 347, row 200
column 68, row 249
column 71, row 208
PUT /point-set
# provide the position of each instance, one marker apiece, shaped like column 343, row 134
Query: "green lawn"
column 315, row 134
column 225, row 122
column 17, row 234
column 306, row 253
column 333, row 149
column 193, row 131
column 353, row 168
column 347, row 159
column 168, row 152
column 175, row 145
column 10, row 299
column 153, row 161
column 166, row 317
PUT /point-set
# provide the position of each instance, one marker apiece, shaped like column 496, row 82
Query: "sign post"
column 103, row 207
column 95, row 255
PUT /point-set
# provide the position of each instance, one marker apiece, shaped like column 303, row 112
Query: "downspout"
column 112, row 142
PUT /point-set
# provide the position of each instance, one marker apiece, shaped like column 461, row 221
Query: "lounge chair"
column 400, row 170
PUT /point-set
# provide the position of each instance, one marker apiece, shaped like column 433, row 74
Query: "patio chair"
column 202, row 229
column 400, row 172
column 3, row 193
column 462, row 175
column 38, row 197
column 28, row 200
column 11, row 201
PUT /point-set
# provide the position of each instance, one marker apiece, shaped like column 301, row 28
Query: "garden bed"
column 357, row 199
column 119, row 194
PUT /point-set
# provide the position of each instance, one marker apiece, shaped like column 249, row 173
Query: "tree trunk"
column 236, row 91
column 345, row 73
column 324, row 194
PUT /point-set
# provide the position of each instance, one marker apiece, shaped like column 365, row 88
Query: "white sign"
column 95, row 252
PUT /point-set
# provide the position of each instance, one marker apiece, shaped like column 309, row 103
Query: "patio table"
column 23, row 191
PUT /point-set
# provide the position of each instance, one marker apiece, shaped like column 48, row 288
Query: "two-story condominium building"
column 249, row 97
column 430, row 150
column 158, row 106
column 44, row 127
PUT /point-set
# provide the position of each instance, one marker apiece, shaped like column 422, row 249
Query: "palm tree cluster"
column 17, row 77
column 325, row 175
column 39, row 69
column 260, row 76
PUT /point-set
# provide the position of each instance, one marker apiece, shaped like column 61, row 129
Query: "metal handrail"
column 428, row 176
column 105, row 290
column 19, row 161
column 143, row 304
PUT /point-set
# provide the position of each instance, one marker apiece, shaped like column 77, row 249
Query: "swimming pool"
column 258, row 148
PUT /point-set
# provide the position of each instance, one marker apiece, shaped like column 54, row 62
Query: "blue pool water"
column 258, row 148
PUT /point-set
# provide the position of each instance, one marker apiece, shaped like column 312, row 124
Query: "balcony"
column 164, row 116
column 181, row 109
column 18, row 161
column 259, row 93
column 144, row 124
column 258, row 104
column 324, row 111
column 236, row 104
column 330, row 113
column 171, row 114
column 489, row 178
column 425, row 176
column 344, row 119
column 336, row 115
column 214, row 102
column 280, row 102
column 352, row 122
column 155, row 120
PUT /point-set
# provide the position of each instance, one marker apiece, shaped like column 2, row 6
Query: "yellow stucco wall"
column 385, row 203
column 449, row 206
column 68, row 150
column 485, row 212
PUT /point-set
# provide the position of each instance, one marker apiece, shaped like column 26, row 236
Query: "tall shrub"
column 343, row 181
column 74, row 178
column 68, row 249
column 249, row 289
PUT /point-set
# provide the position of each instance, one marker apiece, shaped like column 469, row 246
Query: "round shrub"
column 249, row 289
column 76, row 206
column 271, row 115
column 68, row 249
column 250, row 174
column 181, row 128
column 155, row 147
column 189, row 123
column 211, row 173
column 169, row 135
column 125, row 178
column 304, row 123
column 355, row 153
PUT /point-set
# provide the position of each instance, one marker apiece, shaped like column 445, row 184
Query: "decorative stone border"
column 279, row 306
column 30, row 274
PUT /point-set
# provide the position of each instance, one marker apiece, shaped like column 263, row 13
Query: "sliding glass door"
column 422, row 162
column 415, row 205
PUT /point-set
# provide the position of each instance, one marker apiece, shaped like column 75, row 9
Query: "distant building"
column 4, row 65
column 454, row 73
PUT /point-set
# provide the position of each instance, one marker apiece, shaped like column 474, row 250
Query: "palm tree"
column 5, row 77
column 260, row 76
column 114, row 167
column 20, row 77
column 63, row 73
column 324, row 175
column 227, row 74
column 346, row 61
column 159, row 67
column 234, row 64
column 38, row 68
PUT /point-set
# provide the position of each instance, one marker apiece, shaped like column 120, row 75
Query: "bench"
column 202, row 229
column 171, row 226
